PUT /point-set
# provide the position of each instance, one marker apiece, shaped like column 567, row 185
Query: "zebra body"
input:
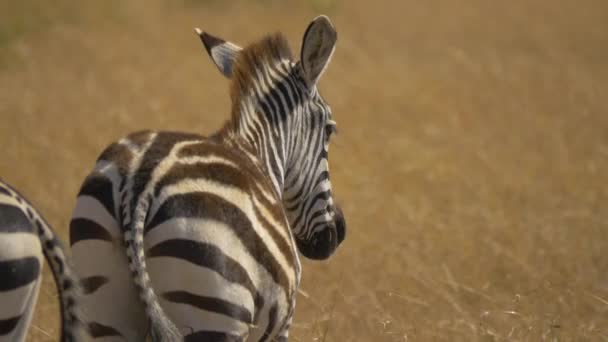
column 25, row 241
column 212, row 226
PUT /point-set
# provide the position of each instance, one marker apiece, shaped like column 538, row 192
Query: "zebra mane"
column 269, row 50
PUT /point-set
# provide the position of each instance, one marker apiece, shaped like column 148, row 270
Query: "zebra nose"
column 340, row 224
column 319, row 246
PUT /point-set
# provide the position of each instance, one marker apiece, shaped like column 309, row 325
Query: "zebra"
column 25, row 238
column 223, row 216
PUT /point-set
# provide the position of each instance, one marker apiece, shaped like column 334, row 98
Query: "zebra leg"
column 189, row 297
column 283, row 335
column 196, row 285
column 111, row 306
column 21, row 261
column 213, row 336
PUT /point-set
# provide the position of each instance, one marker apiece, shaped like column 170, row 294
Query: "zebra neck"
column 264, row 142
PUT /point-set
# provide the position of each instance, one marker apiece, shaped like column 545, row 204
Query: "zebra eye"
column 330, row 128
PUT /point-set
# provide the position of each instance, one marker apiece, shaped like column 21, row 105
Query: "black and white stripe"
column 212, row 226
column 25, row 241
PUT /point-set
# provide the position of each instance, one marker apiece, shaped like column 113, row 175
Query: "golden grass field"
column 471, row 160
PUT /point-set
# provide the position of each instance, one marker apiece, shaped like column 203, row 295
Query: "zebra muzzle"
column 340, row 225
column 322, row 244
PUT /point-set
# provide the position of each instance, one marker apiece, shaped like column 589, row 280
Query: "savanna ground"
column 471, row 162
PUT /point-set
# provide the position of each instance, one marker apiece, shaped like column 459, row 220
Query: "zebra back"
column 18, row 215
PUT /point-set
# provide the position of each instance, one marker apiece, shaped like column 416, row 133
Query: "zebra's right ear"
column 222, row 53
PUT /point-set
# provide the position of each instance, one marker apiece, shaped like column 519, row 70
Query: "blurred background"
column 471, row 160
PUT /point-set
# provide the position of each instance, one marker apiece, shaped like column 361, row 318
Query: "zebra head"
column 279, row 111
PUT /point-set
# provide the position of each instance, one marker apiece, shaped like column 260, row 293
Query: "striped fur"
column 212, row 226
column 25, row 239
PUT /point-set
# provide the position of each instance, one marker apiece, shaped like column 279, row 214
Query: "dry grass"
column 472, row 159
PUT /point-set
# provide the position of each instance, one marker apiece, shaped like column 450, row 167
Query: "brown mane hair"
column 267, row 51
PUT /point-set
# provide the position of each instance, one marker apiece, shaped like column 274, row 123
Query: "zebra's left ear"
column 318, row 46
column 222, row 53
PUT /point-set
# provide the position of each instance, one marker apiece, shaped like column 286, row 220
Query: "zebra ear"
column 222, row 53
column 318, row 46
